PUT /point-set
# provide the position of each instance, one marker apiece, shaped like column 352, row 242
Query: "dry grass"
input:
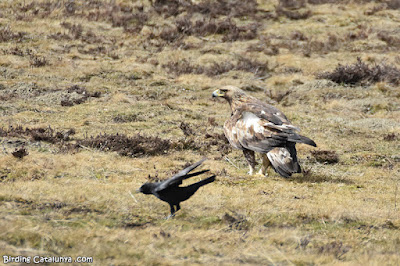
column 98, row 97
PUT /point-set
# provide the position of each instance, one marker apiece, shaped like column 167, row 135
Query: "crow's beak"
column 217, row 93
column 136, row 191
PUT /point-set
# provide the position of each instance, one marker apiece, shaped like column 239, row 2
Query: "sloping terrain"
column 98, row 97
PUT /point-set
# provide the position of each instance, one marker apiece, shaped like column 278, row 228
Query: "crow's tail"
column 203, row 182
column 206, row 181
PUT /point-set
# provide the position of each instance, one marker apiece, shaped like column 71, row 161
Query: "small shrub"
column 393, row 4
column 336, row 248
column 83, row 96
column 186, row 129
column 327, row 157
column 182, row 67
column 170, row 34
column 20, row 153
column 38, row 61
column 217, row 68
column 249, row 65
column 15, row 51
column 322, row 2
column 361, row 73
column 298, row 36
column 127, row 118
column 236, row 221
column 47, row 134
column 390, row 40
column 293, row 9
column 75, row 30
column 390, row 137
column 6, row 34
column 135, row 146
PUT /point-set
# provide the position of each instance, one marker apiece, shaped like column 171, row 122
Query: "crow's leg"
column 265, row 164
column 251, row 160
column 172, row 211
column 178, row 207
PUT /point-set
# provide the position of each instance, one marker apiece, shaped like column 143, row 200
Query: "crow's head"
column 146, row 188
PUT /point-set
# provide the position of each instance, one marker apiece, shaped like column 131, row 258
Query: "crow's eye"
column 222, row 90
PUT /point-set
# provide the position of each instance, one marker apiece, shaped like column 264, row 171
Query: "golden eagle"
column 255, row 126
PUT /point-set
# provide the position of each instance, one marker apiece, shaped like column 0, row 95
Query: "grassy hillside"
column 98, row 97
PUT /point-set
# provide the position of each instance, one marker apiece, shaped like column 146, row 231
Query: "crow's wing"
column 177, row 179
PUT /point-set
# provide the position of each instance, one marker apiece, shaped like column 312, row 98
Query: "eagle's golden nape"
column 255, row 126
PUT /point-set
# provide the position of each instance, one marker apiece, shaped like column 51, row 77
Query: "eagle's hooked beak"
column 217, row 93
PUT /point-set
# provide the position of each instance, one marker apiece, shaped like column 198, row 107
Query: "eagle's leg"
column 251, row 160
column 265, row 164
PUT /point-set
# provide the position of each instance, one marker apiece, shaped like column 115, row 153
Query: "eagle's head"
column 232, row 94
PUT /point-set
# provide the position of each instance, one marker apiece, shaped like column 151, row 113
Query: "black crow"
column 170, row 191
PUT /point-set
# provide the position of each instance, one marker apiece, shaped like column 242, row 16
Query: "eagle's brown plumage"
column 255, row 126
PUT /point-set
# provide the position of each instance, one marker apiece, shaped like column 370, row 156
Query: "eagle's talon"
column 251, row 171
column 262, row 173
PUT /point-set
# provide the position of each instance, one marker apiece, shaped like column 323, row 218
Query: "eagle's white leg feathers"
column 251, row 170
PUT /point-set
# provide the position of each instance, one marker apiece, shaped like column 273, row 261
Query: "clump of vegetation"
column 322, row 2
column 390, row 137
column 336, row 248
column 47, row 134
column 127, row 118
column 362, row 73
column 135, row 146
column 392, row 4
column 209, row 8
column 217, row 68
column 324, row 156
column 84, row 95
column 203, row 27
column 84, row 195
column 20, row 153
column 391, row 40
column 186, row 129
column 293, row 9
column 18, row 51
column 76, row 32
column 38, row 61
column 6, row 34
column 236, row 221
